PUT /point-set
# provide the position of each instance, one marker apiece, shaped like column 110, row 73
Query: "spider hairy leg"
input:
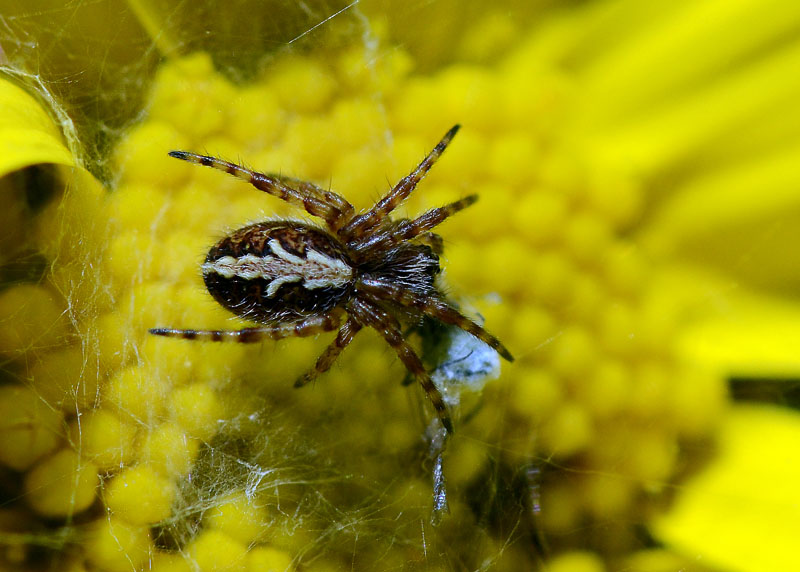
column 409, row 229
column 389, row 328
column 308, row 327
column 433, row 307
column 361, row 224
column 333, row 208
column 328, row 357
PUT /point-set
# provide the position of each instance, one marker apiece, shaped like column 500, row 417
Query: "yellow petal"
column 743, row 511
column 28, row 135
column 751, row 336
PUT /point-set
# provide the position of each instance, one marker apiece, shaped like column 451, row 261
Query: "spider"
column 362, row 269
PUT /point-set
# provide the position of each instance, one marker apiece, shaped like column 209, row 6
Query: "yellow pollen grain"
column 117, row 546
column 586, row 238
column 139, row 495
column 549, row 278
column 513, row 160
column 104, row 439
column 607, row 389
column 536, row 395
column 61, row 485
column 470, row 94
column 653, row 460
column 567, row 431
column 32, row 318
column 147, row 144
column 576, row 562
column 66, row 378
column 136, row 207
column 239, row 517
column 465, row 460
column 561, row 507
column 256, row 119
column 302, row 85
column 137, row 393
column 538, row 216
column 573, row 352
column 268, row 559
column 606, row 495
column 213, row 550
column 109, row 333
column 29, row 427
column 196, row 409
column 168, row 450
column 170, row 562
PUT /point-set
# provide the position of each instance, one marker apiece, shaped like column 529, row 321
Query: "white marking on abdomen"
column 316, row 270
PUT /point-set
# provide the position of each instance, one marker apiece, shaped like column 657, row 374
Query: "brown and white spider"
column 299, row 280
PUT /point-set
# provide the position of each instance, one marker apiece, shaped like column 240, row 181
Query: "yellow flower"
column 633, row 246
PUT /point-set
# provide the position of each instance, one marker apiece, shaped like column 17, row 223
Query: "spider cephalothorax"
column 363, row 270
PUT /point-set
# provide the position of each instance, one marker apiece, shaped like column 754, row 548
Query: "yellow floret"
column 607, row 495
column 469, row 95
column 512, row 159
column 567, row 431
column 215, row 551
column 138, row 393
column 143, row 155
column 117, row 546
column 607, row 390
column 268, row 559
column 697, row 399
column 109, row 334
column 573, row 352
column 657, row 560
column 535, row 395
column 139, row 495
column 29, row 427
column 61, row 485
column 549, row 278
column 302, row 84
column 653, row 459
column 256, row 118
column 66, row 378
column 538, row 216
column 239, row 517
column 32, row 318
column 121, row 265
column 465, row 460
column 136, row 207
column 170, row 562
column 168, row 450
column 576, row 562
column 197, row 409
column 104, row 439
column 587, row 238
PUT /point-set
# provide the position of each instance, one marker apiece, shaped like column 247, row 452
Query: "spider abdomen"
column 278, row 270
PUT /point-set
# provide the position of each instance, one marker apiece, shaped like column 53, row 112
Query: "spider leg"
column 309, row 326
column 389, row 328
column 327, row 205
column 359, row 225
column 408, row 229
column 433, row 307
column 328, row 357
